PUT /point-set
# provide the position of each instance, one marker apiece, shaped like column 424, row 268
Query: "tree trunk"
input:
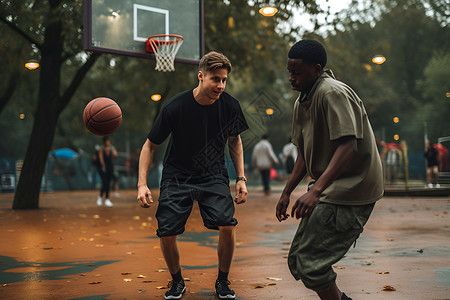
column 50, row 105
column 46, row 118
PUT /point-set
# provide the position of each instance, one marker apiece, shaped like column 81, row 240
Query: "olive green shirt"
column 332, row 110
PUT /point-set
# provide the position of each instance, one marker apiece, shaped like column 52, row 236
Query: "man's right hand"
column 144, row 196
column 282, row 206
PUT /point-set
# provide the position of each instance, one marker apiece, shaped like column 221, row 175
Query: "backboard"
column 123, row 26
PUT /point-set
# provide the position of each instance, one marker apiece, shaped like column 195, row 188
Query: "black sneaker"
column 223, row 291
column 176, row 290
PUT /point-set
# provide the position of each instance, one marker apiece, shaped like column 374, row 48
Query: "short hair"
column 265, row 136
column 213, row 61
column 310, row 51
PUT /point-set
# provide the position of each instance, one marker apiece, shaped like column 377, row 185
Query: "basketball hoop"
column 165, row 47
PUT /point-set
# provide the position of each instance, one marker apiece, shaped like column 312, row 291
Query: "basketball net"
column 165, row 48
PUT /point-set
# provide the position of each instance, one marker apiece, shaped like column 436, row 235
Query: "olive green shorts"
column 322, row 239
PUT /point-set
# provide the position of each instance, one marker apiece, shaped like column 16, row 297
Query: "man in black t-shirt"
column 200, row 122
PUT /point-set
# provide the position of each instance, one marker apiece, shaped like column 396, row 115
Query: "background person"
column 106, row 156
column 431, row 156
column 289, row 156
column 263, row 159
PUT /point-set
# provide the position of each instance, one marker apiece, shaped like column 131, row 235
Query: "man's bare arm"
column 145, row 160
column 237, row 156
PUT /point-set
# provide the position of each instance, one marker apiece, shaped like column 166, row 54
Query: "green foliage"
column 408, row 34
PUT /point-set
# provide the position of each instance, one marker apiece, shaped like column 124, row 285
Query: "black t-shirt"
column 198, row 136
column 431, row 155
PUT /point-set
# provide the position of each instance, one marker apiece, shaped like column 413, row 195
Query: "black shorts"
column 176, row 201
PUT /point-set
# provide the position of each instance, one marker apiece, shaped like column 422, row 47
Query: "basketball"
column 102, row 116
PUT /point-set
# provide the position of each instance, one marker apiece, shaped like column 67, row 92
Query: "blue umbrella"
column 65, row 153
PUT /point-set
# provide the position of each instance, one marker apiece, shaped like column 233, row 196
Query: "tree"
column 407, row 34
column 54, row 29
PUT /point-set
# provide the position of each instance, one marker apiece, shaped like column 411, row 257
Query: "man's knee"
column 168, row 240
column 226, row 229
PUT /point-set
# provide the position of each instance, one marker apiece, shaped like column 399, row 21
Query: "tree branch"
column 21, row 33
column 76, row 81
column 12, row 83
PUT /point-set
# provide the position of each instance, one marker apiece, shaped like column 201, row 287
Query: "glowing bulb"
column 22, row 116
column 396, row 119
column 268, row 11
column 269, row 111
column 156, row 97
column 396, row 137
column 32, row 65
column 378, row 59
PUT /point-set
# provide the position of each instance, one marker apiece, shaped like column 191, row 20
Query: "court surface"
column 72, row 249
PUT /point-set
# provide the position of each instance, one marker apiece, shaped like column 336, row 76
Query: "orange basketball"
column 102, row 116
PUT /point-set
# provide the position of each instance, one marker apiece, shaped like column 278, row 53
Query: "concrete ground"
column 72, row 249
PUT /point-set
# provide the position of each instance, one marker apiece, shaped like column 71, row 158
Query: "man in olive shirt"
column 337, row 149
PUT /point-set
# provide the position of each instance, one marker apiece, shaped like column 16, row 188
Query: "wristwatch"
column 243, row 178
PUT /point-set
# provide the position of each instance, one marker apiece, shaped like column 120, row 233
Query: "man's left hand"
column 305, row 204
column 241, row 192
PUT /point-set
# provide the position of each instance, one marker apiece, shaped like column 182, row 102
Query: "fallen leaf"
column 95, row 282
column 270, row 283
column 339, row 267
column 390, row 240
column 186, row 279
column 161, row 287
column 389, row 288
column 100, row 245
column 258, row 287
column 160, row 271
column 384, row 272
column 376, row 251
column 96, row 216
column 127, row 279
column 149, row 218
column 125, row 273
column 274, row 278
column 141, row 291
column 147, row 281
column 82, row 274
column 156, row 247
column 82, row 215
column 285, row 249
column 420, row 251
column 141, row 276
column 5, row 284
column 136, row 218
column 82, row 239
